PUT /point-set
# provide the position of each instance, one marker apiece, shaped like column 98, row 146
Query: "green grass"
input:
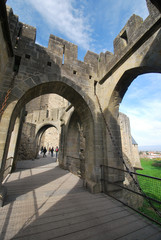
column 150, row 167
column 151, row 187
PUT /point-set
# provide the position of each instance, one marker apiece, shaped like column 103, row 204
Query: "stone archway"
column 84, row 110
column 12, row 149
column 122, row 86
column 35, row 70
column 5, row 120
column 112, row 118
column 73, row 144
column 118, row 93
column 40, row 133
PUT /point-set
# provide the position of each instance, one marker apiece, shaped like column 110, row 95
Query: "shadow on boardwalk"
column 46, row 202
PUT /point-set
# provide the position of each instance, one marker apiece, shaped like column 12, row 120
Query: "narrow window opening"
column 90, row 77
column 16, row 63
column 49, row 64
column 63, row 54
column 27, row 56
column 74, row 72
column 124, row 36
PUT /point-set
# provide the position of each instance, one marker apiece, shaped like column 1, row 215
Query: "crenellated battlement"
column 131, row 37
column 94, row 87
column 29, row 32
column 60, row 53
column 65, row 53
column 91, row 58
column 125, row 36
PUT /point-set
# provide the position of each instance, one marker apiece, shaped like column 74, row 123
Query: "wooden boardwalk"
column 46, row 202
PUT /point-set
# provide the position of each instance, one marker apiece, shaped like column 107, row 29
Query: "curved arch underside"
column 81, row 102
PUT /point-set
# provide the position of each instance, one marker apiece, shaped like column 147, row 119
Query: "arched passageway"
column 74, row 145
column 49, row 141
column 50, row 138
column 35, row 70
column 112, row 113
column 79, row 100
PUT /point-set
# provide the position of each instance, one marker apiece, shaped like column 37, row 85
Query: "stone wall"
column 129, row 146
column 5, row 42
column 3, row 55
column 131, row 157
column 27, row 149
column 41, row 111
column 34, row 70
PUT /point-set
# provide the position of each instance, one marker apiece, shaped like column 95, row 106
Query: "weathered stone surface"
column 129, row 146
column 27, row 149
column 38, row 70
column 42, row 117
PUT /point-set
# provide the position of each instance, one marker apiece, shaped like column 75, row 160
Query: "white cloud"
column 80, row 21
column 71, row 18
column 112, row 17
column 63, row 17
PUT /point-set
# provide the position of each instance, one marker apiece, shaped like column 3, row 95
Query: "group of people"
column 51, row 151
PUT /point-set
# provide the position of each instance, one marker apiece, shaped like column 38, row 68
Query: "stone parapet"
column 129, row 146
column 125, row 36
column 130, row 38
column 64, row 49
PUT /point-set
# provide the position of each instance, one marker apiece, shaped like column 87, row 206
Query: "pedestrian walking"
column 56, row 150
column 44, row 151
column 52, row 150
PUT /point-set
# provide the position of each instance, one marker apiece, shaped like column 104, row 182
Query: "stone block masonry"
column 33, row 70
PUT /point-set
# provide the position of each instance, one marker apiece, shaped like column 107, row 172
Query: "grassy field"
column 150, row 167
column 151, row 187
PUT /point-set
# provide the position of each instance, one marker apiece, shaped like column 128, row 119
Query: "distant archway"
column 48, row 142
column 82, row 103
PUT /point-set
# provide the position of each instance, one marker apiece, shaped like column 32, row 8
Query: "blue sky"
column 93, row 25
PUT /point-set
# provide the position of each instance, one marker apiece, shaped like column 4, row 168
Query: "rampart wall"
column 94, row 87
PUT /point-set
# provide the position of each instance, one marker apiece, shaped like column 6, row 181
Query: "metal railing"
column 148, row 204
column 152, row 211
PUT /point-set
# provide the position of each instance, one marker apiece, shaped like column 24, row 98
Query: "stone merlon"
column 126, row 34
column 28, row 32
column 61, row 47
column 91, row 58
